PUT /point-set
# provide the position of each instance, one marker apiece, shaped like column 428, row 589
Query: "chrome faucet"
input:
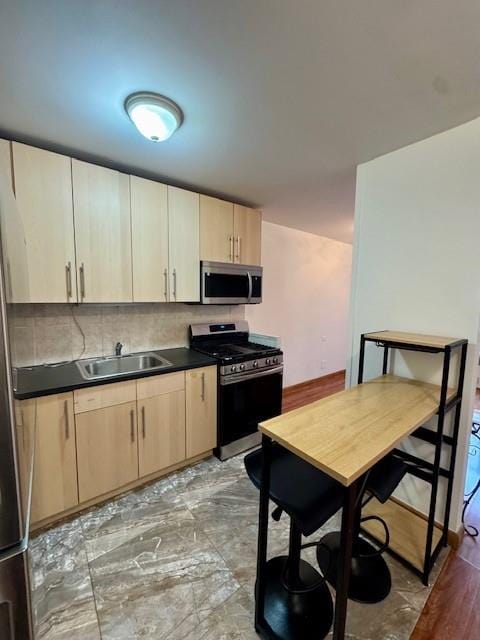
column 118, row 349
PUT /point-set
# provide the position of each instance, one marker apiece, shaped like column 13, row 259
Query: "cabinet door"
column 101, row 201
column 149, row 206
column 201, row 410
column 161, row 431
column 107, row 451
column 43, row 189
column 184, row 245
column 55, row 468
column 247, row 230
column 216, row 229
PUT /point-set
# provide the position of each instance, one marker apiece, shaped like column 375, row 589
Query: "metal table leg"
column 345, row 560
column 262, row 536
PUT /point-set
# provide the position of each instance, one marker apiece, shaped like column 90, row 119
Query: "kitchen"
column 239, row 320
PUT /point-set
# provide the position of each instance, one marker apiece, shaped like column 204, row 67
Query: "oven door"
column 247, row 399
column 224, row 283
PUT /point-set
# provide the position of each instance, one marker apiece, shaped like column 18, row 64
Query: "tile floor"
column 176, row 560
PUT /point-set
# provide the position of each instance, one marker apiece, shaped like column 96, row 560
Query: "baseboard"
column 294, row 388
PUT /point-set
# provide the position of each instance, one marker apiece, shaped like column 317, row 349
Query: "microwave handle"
column 250, row 286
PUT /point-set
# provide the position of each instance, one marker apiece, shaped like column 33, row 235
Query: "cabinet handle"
column 143, row 423
column 68, row 278
column 203, row 387
column 82, row 280
column 231, row 256
column 174, row 275
column 132, row 426
column 238, row 248
column 165, row 277
column 67, row 423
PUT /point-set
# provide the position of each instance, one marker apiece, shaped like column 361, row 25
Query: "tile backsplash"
column 53, row 332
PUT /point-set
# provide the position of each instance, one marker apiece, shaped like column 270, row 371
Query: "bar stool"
column 298, row 603
column 370, row 579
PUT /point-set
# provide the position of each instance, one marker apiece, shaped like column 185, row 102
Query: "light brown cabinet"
column 107, row 449
column 149, row 210
column 229, row 233
column 201, row 410
column 5, row 162
column 55, row 468
column 247, row 231
column 216, row 229
column 43, row 191
column 101, row 202
column 161, row 431
column 184, row 245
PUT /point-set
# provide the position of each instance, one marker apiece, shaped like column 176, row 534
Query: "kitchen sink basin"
column 113, row 366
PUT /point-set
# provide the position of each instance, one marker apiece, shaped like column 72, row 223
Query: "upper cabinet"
column 5, row 161
column 43, row 190
column 149, row 205
column 184, row 242
column 101, row 201
column 229, row 233
column 247, row 231
column 216, row 229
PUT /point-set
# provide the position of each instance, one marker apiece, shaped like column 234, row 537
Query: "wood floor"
column 453, row 609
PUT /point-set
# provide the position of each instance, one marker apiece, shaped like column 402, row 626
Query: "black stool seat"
column 308, row 495
column 385, row 476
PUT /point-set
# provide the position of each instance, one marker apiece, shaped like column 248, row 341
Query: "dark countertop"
column 44, row 380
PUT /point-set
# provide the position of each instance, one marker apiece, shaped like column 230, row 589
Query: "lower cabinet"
column 107, row 449
column 96, row 440
column 161, row 440
column 51, row 420
column 201, row 410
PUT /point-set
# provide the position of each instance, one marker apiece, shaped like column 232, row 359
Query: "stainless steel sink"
column 113, row 366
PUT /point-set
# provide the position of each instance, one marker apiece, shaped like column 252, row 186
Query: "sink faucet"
column 118, row 349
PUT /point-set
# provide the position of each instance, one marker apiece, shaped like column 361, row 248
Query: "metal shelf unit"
column 418, row 467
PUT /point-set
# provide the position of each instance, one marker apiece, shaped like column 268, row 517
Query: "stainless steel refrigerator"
column 16, row 447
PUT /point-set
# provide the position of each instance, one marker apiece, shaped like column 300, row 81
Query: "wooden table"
column 344, row 435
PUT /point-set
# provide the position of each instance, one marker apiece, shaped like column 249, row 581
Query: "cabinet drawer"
column 103, row 396
column 158, row 385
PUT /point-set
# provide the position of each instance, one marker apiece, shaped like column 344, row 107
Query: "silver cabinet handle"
column 82, row 280
column 174, row 276
column 238, row 248
column 68, row 278
column 231, row 256
column 165, row 277
column 143, row 423
column 67, row 422
column 132, row 425
column 203, row 387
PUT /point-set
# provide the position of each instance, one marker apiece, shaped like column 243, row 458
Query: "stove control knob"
column 255, row 364
column 242, row 367
column 267, row 361
column 275, row 361
column 233, row 369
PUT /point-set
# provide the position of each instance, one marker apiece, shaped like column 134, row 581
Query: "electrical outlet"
column 323, row 338
column 323, row 364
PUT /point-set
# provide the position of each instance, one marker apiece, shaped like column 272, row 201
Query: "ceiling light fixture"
column 155, row 116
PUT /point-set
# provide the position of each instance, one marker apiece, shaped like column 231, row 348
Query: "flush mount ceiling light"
column 155, row 116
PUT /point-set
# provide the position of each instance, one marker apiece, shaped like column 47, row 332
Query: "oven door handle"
column 250, row 286
column 241, row 377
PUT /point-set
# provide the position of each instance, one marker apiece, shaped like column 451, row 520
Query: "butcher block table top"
column 345, row 434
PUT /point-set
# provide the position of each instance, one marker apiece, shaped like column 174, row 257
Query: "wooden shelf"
column 346, row 433
column 416, row 339
column 408, row 530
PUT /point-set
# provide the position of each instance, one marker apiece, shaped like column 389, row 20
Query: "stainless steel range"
column 249, row 382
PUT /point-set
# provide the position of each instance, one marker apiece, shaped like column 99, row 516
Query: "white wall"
column 416, row 262
column 306, row 293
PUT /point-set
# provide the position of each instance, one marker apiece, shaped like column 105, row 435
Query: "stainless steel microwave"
column 226, row 283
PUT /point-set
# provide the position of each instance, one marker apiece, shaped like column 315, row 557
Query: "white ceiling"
column 282, row 98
